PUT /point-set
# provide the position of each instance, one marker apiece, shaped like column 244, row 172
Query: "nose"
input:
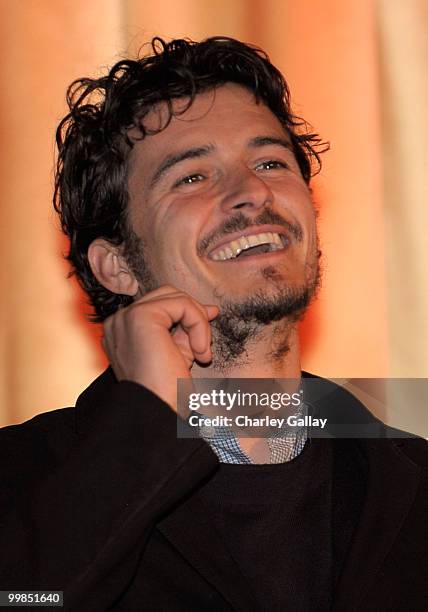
column 245, row 189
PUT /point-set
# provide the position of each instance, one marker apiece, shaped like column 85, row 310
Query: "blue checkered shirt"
column 283, row 445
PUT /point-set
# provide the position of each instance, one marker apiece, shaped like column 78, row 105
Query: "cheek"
column 301, row 203
column 177, row 232
column 170, row 250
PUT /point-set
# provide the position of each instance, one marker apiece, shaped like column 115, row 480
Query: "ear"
column 110, row 268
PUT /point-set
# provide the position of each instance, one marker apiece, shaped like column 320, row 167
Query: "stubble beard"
column 240, row 324
column 243, row 323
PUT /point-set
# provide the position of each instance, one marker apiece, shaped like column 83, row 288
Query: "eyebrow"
column 263, row 141
column 176, row 158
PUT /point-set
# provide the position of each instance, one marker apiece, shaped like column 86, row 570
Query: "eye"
column 272, row 164
column 189, row 180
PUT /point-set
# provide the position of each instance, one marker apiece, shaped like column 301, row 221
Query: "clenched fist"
column 155, row 340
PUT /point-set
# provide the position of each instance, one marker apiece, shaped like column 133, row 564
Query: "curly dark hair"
column 93, row 139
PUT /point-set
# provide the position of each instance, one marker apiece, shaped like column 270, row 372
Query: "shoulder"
column 414, row 449
column 349, row 417
column 60, row 420
column 33, row 445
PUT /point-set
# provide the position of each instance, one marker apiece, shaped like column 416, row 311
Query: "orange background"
column 357, row 72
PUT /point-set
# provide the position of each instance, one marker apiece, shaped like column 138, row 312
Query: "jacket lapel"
column 203, row 547
column 391, row 489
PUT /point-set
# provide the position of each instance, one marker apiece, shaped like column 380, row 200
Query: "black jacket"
column 91, row 495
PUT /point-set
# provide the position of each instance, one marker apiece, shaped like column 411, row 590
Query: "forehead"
column 225, row 113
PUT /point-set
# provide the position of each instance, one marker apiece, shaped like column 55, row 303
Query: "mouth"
column 249, row 245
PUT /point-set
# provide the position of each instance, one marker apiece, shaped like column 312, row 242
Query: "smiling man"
column 218, row 210
column 183, row 185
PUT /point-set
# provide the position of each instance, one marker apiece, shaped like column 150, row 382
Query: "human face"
column 222, row 170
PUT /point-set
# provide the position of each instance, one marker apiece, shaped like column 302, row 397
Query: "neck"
column 271, row 352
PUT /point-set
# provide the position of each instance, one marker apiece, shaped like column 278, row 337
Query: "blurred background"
column 357, row 72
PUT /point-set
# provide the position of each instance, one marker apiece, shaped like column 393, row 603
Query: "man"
column 183, row 185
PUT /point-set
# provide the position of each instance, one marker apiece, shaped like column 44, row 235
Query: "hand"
column 156, row 340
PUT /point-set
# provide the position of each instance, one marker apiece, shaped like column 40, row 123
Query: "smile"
column 253, row 244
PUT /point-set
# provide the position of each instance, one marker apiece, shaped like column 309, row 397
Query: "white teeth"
column 234, row 245
column 244, row 244
column 253, row 240
column 232, row 250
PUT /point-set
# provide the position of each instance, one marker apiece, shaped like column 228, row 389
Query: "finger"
column 212, row 311
column 160, row 292
column 175, row 295
column 181, row 339
column 167, row 303
column 191, row 316
column 112, row 340
column 169, row 291
column 105, row 341
column 199, row 333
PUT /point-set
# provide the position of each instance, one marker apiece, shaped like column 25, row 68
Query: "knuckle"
column 134, row 314
column 168, row 288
